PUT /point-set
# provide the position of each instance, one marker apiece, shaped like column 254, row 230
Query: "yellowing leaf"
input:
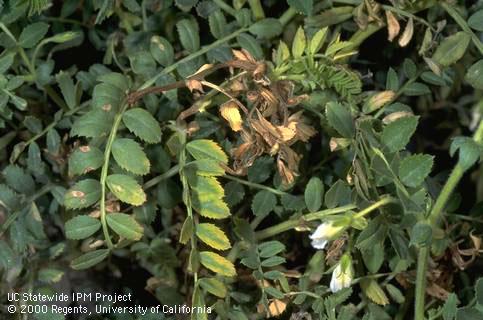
column 229, row 111
column 126, row 189
column 212, row 236
column 213, row 286
column 373, row 291
column 206, row 149
column 210, row 208
column 208, row 186
column 299, row 43
column 217, row 264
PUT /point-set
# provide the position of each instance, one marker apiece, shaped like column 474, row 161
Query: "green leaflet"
column 85, row 159
column 414, row 169
column 130, row 156
column 299, row 43
column 303, row 6
column 125, row 226
column 250, row 44
column 68, row 89
column 313, row 195
column 452, row 49
column 126, row 189
column 340, row 118
column 95, row 123
column 143, row 125
column 263, row 203
column 266, row 28
column 217, row 23
column 212, row 236
column 83, row 194
column 89, row 259
column 213, row 286
column 189, row 34
column 476, row 20
column 161, row 50
column 396, row 134
column 18, row 179
column 107, row 97
column 474, row 75
column 81, row 227
column 217, row 264
column 32, row 34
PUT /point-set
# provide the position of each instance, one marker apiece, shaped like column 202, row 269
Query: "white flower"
column 324, row 233
column 342, row 274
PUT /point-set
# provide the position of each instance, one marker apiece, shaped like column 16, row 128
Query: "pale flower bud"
column 324, row 233
column 343, row 274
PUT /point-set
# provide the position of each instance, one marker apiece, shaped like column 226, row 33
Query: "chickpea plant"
column 298, row 159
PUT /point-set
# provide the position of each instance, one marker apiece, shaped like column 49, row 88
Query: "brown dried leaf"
column 276, row 307
column 393, row 26
column 407, row 34
column 193, row 84
column 229, row 111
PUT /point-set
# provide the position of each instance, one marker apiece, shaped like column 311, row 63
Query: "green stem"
column 225, row 7
column 291, row 224
column 168, row 174
column 257, row 9
column 26, row 60
column 105, row 171
column 423, row 254
column 255, row 185
column 287, row 16
column 432, row 220
column 52, row 125
column 374, row 206
column 192, row 56
column 55, row 97
column 462, row 23
column 45, row 189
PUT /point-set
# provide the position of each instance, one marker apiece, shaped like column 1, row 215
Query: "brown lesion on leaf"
column 107, row 107
column 77, row 194
column 85, row 149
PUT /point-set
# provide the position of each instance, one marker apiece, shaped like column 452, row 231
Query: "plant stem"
column 192, row 56
column 462, row 23
column 255, row 185
column 105, row 170
column 45, row 189
column 432, row 220
column 257, row 9
column 225, row 7
column 291, row 224
column 287, row 16
column 168, row 174
column 382, row 202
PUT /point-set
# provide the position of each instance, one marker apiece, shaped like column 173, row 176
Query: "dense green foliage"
column 300, row 159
